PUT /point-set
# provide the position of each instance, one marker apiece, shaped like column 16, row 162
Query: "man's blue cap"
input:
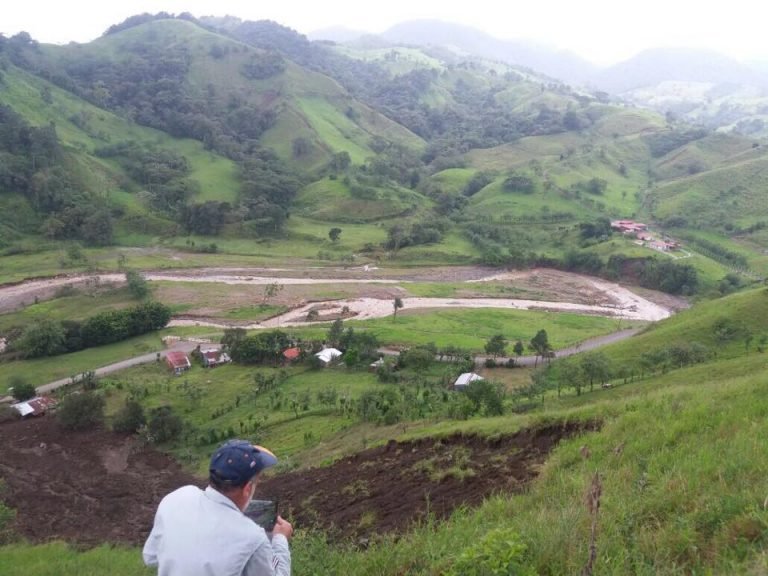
column 237, row 461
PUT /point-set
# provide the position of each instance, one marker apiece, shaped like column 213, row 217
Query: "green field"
column 683, row 496
column 470, row 329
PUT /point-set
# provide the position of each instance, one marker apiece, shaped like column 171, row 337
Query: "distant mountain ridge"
column 652, row 67
column 559, row 64
column 694, row 85
column 647, row 68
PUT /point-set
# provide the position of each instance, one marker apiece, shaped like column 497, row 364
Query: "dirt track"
column 95, row 487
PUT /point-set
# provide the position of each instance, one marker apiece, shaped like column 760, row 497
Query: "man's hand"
column 282, row 527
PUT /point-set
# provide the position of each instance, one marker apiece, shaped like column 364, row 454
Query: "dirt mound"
column 83, row 487
column 94, row 487
column 385, row 489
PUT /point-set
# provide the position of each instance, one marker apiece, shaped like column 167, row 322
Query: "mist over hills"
column 658, row 65
column 559, row 64
column 694, row 85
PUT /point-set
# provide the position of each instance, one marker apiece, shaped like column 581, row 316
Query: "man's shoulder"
column 188, row 492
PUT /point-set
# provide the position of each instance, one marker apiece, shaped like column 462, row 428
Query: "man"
column 205, row 533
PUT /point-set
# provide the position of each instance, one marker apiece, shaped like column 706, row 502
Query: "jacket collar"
column 216, row 496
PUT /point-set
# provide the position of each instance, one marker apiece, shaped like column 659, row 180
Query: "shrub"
column 137, row 284
column 22, row 390
column 81, row 411
column 498, row 553
column 117, row 325
column 130, row 418
column 43, row 337
column 7, row 516
column 164, row 425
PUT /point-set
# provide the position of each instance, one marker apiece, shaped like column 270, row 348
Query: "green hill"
column 253, row 122
column 674, row 456
column 222, row 79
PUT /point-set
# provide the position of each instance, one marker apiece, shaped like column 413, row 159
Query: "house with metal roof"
column 35, row 407
column 328, row 355
column 464, row 380
column 178, row 361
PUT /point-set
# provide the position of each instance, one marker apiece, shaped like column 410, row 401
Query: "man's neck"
column 236, row 496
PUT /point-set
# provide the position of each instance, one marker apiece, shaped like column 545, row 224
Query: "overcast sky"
column 603, row 31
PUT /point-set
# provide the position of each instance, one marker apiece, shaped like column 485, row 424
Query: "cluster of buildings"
column 179, row 362
column 642, row 236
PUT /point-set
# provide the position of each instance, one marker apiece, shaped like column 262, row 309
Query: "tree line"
column 47, row 337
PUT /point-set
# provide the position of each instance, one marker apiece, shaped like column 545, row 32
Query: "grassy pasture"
column 469, row 329
column 684, row 495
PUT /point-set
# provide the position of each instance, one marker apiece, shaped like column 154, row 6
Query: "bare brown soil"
column 82, row 487
column 388, row 488
column 93, row 487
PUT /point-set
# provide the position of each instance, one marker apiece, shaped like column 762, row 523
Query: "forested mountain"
column 171, row 126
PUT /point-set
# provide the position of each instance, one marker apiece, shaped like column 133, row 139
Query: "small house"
column 178, row 361
column 328, row 355
column 291, row 354
column 213, row 357
column 35, row 407
column 464, row 380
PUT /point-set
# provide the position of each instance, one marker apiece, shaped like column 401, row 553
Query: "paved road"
column 143, row 359
column 586, row 345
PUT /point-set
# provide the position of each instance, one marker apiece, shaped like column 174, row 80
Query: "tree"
column 340, row 161
column 130, row 418
column 496, row 345
column 540, row 345
column 81, row 411
column 301, row 147
column 518, row 348
column 334, row 234
column 397, row 303
column 44, row 337
column 570, row 374
column 478, row 181
column 271, row 290
column 164, row 425
column 22, row 389
column 335, row 332
column 232, row 337
column 137, row 284
column 418, row 358
column 486, row 396
column 596, row 367
column 539, row 383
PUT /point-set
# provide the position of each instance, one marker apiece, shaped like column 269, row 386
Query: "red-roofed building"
column 291, row 354
column 177, row 361
column 628, row 226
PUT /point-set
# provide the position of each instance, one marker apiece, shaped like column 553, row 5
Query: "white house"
column 463, row 381
column 328, row 355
